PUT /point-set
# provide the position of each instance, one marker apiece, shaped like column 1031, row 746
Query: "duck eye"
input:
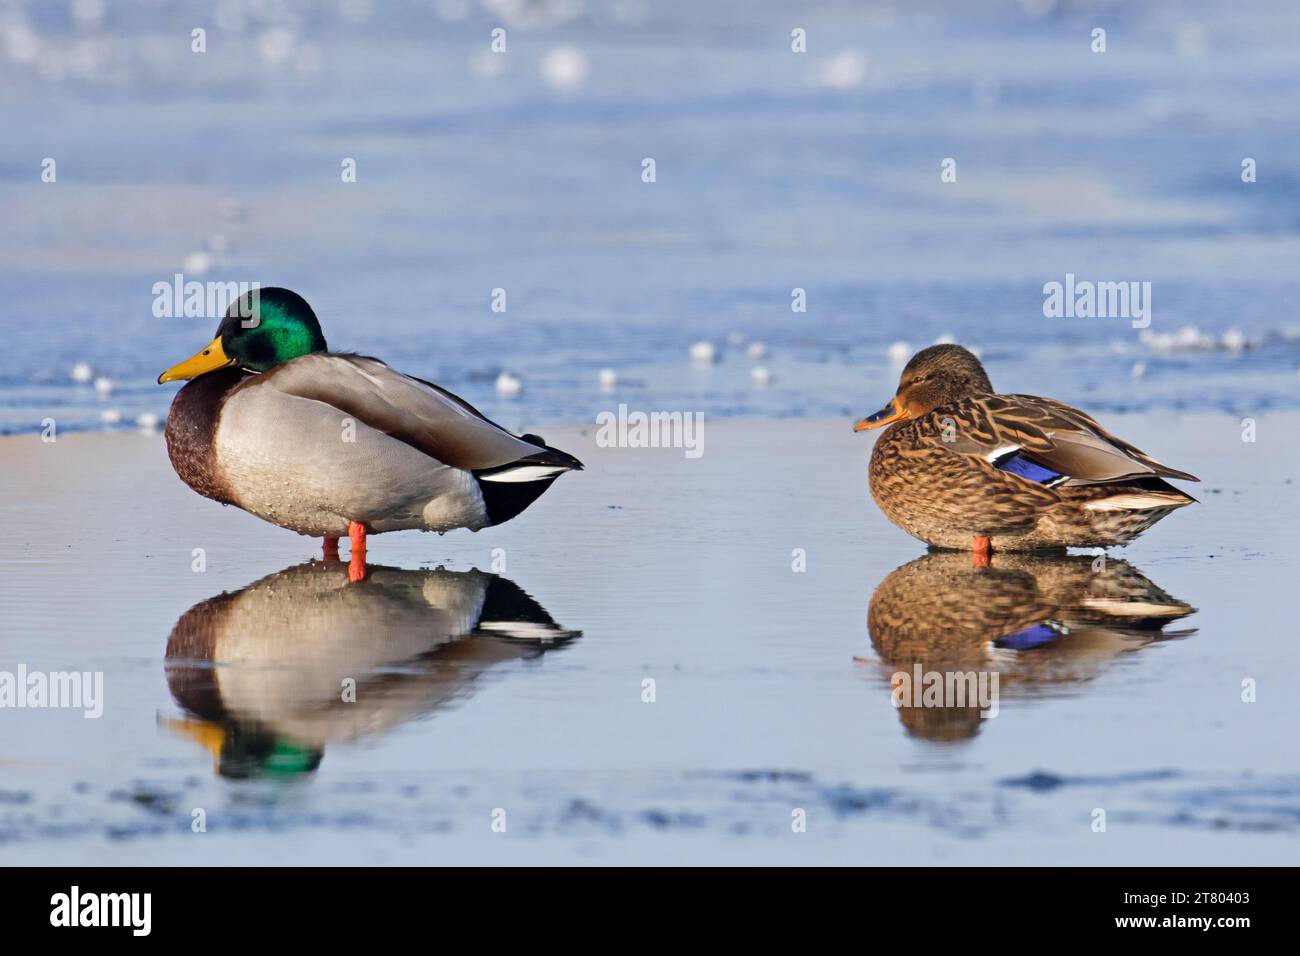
column 918, row 380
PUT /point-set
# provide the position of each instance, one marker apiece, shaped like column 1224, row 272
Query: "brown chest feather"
column 191, row 433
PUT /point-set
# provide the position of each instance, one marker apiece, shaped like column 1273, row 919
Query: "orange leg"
column 981, row 548
column 331, row 548
column 357, row 563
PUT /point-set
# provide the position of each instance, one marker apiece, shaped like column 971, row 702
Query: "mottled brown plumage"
column 959, row 461
column 942, row 610
column 1038, row 621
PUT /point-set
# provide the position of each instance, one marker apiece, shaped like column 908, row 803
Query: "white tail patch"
column 525, row 473
column 1135, row 502
column 1118, row 608
column 523, row 630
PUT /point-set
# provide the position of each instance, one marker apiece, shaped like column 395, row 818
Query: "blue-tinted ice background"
column 774, row 171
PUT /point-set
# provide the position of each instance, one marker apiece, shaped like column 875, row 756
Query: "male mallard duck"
column 963, row 467
column 327, row 443
column 283, row 646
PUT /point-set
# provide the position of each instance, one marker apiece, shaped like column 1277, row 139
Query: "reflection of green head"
column 247, row 752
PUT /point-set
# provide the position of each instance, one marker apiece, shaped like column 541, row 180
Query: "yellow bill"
column 209, row 360
column 209, row 735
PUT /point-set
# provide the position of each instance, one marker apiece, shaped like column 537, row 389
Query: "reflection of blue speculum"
column 1042, row 624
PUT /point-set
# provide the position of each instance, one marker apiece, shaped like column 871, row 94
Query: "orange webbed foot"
column 357, row 562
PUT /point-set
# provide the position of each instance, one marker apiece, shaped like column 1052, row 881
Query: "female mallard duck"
column 327, row 443
column 963, row 467
column 1041, row 623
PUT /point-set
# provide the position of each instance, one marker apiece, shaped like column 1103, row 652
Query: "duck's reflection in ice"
column 950, row 634
column 270, row 674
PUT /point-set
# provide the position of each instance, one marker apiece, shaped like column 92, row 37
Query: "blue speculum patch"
column 1019, row 465
column 1034, row 636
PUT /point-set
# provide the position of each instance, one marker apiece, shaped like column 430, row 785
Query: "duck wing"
column 1046, row 441
column 419, row 413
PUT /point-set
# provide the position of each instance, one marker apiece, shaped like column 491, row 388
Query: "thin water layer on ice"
column 523, row 689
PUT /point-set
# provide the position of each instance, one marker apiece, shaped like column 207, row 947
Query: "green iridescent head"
column 262, row 329
column 269, row 326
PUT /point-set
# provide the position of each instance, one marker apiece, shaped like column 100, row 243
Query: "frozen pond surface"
column 771, row 694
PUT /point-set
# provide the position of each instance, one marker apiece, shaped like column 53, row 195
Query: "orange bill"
column 890, row 413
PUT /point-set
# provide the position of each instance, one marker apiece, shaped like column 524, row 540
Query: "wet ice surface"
column 771, row 694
